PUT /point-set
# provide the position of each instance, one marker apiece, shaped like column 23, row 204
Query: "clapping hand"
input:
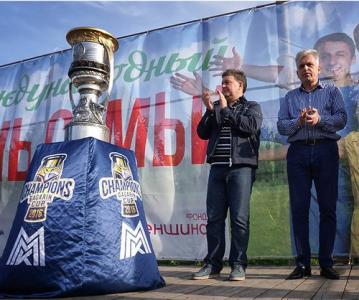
column 309, row 115
column 206, row 99
column 312, row 116
column 302, row 116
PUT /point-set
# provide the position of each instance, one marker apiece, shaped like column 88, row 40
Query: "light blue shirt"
column 329, row 102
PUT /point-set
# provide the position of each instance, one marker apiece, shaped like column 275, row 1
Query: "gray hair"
column 306, row 52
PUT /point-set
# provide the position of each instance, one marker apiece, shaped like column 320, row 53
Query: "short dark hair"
column 238, row 75
column 356, row 36
column 336, row 37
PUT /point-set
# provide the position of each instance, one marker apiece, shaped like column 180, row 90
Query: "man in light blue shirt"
column 310, row 116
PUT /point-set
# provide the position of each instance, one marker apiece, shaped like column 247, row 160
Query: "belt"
column 314, row 142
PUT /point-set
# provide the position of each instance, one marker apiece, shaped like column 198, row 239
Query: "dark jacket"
column 245, row 121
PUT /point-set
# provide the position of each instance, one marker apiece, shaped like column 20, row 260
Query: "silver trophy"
column 91, row 72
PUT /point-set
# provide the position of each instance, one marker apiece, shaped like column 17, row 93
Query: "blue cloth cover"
column 80, row 226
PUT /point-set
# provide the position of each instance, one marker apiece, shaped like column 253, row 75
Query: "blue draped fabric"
column 80, row 226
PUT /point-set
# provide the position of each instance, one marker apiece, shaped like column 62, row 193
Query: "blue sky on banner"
column 34, row 28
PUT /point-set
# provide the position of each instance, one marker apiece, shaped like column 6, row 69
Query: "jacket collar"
column 240, row 100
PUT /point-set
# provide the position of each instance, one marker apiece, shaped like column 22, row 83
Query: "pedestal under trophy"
column 80, row 227
column 91, row 72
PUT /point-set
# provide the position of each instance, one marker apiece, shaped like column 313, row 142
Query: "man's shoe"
column 329, row 272
column 238, row 273
column 300, row 272
column 206, row 272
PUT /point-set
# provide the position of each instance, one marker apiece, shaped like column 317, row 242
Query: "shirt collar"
column 319, row 86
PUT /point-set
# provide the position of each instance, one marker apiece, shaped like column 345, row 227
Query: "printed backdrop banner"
column 80, row 227
column 156, row 107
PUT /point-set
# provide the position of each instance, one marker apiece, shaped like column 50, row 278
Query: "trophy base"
column 80, row 130
column 78, row 176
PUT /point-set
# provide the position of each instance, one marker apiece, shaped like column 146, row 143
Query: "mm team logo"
column 28, row 249
column 133, row 241
column 122, row 185
column 46, row 186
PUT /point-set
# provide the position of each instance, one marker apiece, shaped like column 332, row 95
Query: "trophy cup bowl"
column 91, row 72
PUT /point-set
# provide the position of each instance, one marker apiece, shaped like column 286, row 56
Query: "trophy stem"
column 80, row 130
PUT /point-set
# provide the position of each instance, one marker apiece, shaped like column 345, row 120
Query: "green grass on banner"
column 269, row 218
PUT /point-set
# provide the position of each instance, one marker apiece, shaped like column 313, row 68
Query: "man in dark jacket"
column 232, row 126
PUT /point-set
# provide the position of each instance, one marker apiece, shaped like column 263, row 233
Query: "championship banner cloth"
column 80, row 226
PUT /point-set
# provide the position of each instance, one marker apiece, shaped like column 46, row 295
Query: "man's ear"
column 297, row 74
column 318, row 69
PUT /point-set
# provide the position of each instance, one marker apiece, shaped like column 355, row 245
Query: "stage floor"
column 262, row 282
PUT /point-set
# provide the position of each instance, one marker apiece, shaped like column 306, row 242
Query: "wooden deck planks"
column 352, row 287
column 262, row 282
column 334, row 289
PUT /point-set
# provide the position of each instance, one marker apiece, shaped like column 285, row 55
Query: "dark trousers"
column 305, row 164
column 228, row 187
